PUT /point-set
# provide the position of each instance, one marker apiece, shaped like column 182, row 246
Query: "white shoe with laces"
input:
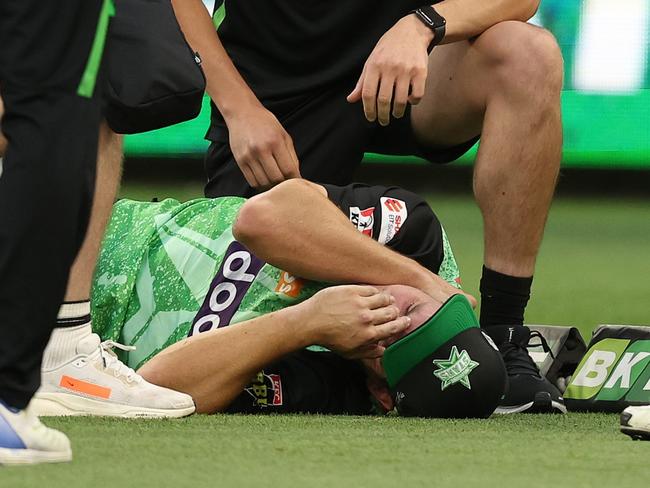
column 25, row 440
column 96, row 382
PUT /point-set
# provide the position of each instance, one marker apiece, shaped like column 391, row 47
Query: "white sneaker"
column 25, row 440
column 635, row 422
column 96, row 382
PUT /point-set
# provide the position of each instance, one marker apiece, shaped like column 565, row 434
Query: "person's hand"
column 351, row 320
column 441, row 291
column 262, row 148
column 395, row 72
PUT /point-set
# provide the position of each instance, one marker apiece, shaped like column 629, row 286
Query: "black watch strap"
column 434, row 21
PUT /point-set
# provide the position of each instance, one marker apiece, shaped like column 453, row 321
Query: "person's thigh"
column 329, row 135
column 462, row 75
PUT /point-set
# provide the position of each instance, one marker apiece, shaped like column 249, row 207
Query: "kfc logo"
column 393, row 215
column 363, row 220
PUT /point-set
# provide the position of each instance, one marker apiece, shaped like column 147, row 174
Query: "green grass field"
column 594, row 268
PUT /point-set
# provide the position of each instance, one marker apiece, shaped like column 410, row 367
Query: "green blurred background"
column 606, row 101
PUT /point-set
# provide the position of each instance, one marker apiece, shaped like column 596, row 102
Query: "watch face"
column 430, row 17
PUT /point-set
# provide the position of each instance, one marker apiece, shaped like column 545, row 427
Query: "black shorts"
column 307, row 382
column 322, row 382
column 330, row 136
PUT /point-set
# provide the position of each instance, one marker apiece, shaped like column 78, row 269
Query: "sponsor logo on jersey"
column 613, row 370
column 363, row 220
column 455, row 369
column 393, row 215
column 266, row 390
column 228, row 288
column 289, row 285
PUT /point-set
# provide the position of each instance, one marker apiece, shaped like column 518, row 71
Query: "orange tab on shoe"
column 80, row 386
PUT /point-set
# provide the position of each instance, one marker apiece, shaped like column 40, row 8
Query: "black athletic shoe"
column 528, row 391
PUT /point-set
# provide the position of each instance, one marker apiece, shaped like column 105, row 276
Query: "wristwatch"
column 434, row 21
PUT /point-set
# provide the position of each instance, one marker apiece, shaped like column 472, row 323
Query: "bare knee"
column 524, row 59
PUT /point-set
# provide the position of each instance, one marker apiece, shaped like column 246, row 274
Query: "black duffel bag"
column 154, row 78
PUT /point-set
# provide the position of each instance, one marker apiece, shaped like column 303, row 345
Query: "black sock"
column 503, row 298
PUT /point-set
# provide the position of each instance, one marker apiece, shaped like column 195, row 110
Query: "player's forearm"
column 295, row 227
column 469, row 18
column 225, row 85
column 215, row 367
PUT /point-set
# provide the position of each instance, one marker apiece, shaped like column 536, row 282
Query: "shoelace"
column 517, row 359
column 111, row 361
column 542, row 342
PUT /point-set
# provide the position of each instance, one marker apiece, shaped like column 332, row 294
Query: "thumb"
column 355, row 95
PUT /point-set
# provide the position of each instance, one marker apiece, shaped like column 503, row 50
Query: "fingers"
column 471, row 299
column 379, row 300
column 355, row 95
column 271, row 169
column 248, row 174
column 385, row 99
column 369, row 94
column 363, row 291
column 287, row 160
column 392, row 328
column 401, row 97
column 417, row 88
column 258, row 172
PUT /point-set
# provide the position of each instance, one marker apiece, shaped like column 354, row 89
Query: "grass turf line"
column 593, row 268
column 575, row 450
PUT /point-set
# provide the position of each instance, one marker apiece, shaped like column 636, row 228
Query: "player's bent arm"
column 262, row 148
column 469, row 18
column 214, row 367
column 297, row 228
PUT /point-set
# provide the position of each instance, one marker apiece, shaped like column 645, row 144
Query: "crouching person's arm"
column 216, row 366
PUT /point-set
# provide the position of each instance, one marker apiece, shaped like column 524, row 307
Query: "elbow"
column 528, row 8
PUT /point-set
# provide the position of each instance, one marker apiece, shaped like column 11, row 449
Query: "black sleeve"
column 307, row 382
column 398, row 218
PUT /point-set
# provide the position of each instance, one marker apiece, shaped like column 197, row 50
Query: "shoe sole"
column 64, row 405
column 17, row 457
column 541, row 404
column 634, row 432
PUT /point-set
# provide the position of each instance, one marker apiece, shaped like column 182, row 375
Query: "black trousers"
column 49, row 54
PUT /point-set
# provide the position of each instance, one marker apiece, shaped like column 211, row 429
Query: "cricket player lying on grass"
column 173, row 279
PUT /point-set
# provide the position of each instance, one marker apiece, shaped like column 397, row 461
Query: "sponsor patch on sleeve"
column 363, row 220
column 266, row 390
column 393, row 215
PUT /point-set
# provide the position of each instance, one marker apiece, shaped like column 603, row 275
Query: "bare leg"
column 109, row 167
column 506, row 85
column 295, row 227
